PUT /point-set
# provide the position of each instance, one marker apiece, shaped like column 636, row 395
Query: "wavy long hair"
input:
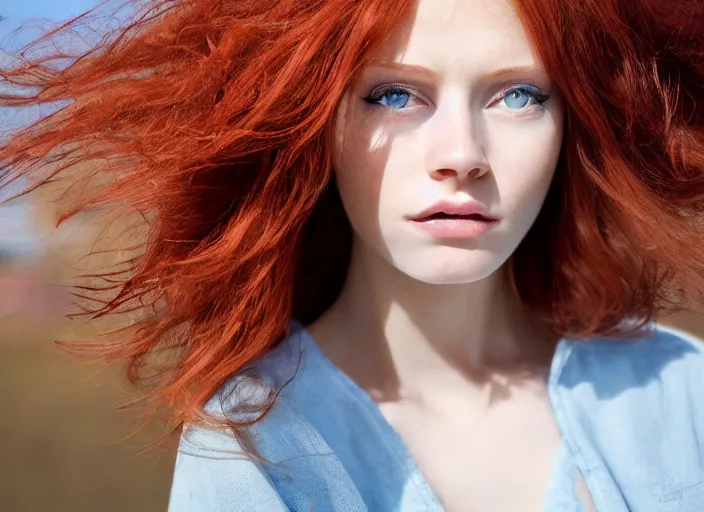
column 212, row 119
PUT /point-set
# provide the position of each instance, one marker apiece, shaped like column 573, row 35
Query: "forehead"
column 461, row 35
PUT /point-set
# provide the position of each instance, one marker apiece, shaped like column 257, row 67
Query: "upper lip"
column 464, row 208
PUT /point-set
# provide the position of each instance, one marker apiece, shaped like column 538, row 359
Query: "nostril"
column 477, row 173
column 445, row 173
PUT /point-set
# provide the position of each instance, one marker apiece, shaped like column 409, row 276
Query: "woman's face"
column 454, row 116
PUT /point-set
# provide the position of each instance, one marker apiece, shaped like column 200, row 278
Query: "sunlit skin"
column 454, row 107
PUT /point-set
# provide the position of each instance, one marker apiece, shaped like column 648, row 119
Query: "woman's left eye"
column 517, row 98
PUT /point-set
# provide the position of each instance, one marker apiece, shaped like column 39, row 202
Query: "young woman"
column 405, row 256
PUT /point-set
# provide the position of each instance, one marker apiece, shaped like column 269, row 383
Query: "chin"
column 469, row 267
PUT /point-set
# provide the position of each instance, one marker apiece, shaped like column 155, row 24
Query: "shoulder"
column 635, row 401
column 645, row 392
column 297, row 442
column 662, row 358
column 213, row 473
column 632, row 412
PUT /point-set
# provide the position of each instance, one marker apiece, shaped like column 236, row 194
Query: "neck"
column 405, row 337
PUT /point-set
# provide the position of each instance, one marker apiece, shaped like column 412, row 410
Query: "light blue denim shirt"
column 631, row 414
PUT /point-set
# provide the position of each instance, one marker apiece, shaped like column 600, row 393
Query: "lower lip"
column 455, row 228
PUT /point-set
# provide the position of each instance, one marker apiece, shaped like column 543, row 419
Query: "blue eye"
column 392, row 98
column 517, row 98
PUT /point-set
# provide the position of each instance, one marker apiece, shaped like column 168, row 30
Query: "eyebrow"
column 422, row 70
column 517, row 70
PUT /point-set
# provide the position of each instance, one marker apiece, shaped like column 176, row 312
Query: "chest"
column 502, row 459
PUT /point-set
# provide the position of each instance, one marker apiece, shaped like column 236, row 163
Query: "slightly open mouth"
column 441, row 215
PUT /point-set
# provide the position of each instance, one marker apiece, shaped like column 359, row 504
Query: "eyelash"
column 377, row 93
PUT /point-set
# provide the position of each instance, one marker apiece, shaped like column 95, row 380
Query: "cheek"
column 359, row 172
column 525, row 170
column 359, row 183
column 368, row 172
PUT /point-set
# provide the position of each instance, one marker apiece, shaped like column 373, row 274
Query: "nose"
column 455, row 150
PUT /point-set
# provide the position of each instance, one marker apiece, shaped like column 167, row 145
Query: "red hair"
column 212, row 118
column 619, row 238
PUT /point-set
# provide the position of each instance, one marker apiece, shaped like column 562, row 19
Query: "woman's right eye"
column 394, row 98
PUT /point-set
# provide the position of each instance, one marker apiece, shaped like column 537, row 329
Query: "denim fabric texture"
column 631, row 414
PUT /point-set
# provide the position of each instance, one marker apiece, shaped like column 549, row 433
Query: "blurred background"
column 61, row 437
column 62, row 445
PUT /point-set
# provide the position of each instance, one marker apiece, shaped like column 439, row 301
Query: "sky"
column 31, row 15
column 46, row 8
column 16, row 233
column 19, row 11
